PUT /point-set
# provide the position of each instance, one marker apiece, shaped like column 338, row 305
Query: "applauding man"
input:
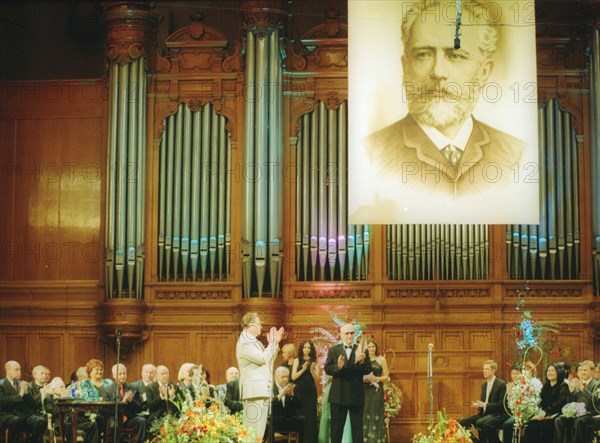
column 347, row 363
column 256, row 368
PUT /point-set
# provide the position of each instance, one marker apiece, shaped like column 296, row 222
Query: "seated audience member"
column 554, row 395
column 199, row 386
column 183, row 376
column 230, row 374
column 232, row 396
column 96, row 387
column 509, row 424
column 148, row 376
column 55, row 389
column 160, row 395
column 17, row 406
column 41, row 377
column 77, row 378
column 581, row 390
column 285, row 405
column 491, row 414
column 133, row 404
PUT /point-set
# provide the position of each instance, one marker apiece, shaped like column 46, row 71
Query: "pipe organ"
column 194, row 213
column 551, row 249
column 327, row 248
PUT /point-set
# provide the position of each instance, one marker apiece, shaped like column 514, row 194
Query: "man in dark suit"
column 582, row 391
column 148, row 376
column 160, row 394
column 491, row 413
column 347, row 363
column 285, row 405
column 128, row 394
column 232, row 396
column 17, row 406
column 41, row 377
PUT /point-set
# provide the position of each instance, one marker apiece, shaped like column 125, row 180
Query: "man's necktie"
column 452, row 153
column 15, row 385
column 121, row 391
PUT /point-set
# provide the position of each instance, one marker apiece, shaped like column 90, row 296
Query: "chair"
column 128, row 435
column 286, row 436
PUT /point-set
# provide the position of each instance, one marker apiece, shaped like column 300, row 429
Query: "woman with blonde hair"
column 288, row 353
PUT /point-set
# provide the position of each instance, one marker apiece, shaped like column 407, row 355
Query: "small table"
column 106, row 409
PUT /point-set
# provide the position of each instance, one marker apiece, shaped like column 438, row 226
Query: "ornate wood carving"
column 435, row 293
column 175, row 294
column 318, row 68
column 196, row 69
column 547, row 293
column 124, row 316
column 342, row 293
column 130, row 30
column 263, row 16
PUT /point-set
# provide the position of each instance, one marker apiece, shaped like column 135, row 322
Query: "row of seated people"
column 548, row 425
column 25, row 406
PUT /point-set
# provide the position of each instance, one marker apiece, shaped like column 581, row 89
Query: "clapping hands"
column 275, row 335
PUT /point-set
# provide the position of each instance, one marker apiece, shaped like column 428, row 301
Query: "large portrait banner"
column 443, row 112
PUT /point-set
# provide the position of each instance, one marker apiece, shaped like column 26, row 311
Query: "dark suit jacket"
column 36, row 394
column 11, row 403
column 404, row 143
column 156, row 405
column 288, row 412
column 347, row 383
column 495, row 405
column 232, row 396
column 131, row 409
column 407, row 166
column 585, row 395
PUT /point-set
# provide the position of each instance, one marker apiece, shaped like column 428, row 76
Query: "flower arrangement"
column 574, row 410
column 202, row 419
column 392, row 401
column 446, row 430
column 523, row 400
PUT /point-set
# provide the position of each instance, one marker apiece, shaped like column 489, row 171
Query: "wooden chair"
column 286, row 436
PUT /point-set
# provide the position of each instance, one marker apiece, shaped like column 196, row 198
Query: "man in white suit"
column 256, row 369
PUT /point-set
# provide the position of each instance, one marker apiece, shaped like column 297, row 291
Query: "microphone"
column 457, row 43
column 119, row 333
column 430, row 347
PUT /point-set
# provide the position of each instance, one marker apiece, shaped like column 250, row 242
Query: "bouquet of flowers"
column 523, row 400
column 392, row 401
column 574, row 410
column 444, row 431
column 204, row 420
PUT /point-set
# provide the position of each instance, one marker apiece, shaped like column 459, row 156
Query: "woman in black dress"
column 306, row 374
column 554, row 395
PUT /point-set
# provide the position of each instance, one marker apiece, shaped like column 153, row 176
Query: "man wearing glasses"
column 346, row 364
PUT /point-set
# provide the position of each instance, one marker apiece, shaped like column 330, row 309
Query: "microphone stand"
column 430, row 382
column 116, row 423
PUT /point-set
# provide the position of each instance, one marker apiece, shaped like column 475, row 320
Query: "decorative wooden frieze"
column 193, row 295
column 546, row 293
column 320, row 294
column 261, row 17
column 439, row 293
column 130, row 30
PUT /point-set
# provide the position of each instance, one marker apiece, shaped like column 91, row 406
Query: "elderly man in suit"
column 347, row 363
column 491, row 414
column 133, row 403
column 17, row 406
column 256, row 369
column 286, row 406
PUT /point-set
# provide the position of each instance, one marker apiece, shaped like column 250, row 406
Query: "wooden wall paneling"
column 81, row 224
column 449, row 394
column 15, row 346
column 215, row 344
column 9, row 179
column 82, row 347
column 50, row 352
column 37, row 200
column 171, row 349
